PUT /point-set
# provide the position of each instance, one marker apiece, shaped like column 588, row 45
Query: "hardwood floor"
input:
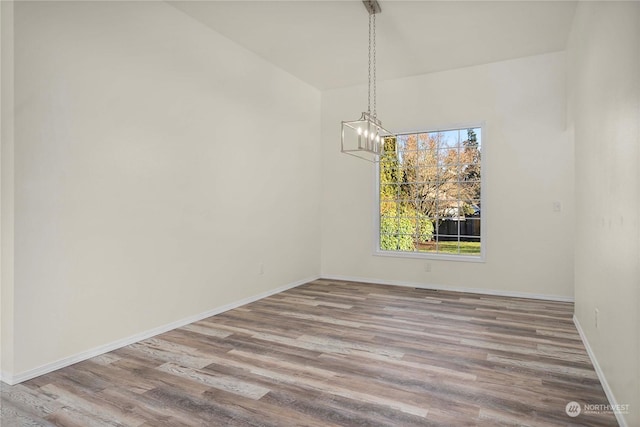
column 334, row 353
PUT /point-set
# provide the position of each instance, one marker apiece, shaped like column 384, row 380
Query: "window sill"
column 428, row 255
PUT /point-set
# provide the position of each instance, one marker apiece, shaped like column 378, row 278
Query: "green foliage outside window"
column 401, row 227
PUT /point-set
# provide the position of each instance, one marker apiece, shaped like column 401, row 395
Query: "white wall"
column 6, row 186
column 157, row 164
column 604, row 105
column 528, row 164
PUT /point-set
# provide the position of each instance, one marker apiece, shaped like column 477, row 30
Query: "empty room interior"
column 320, row 213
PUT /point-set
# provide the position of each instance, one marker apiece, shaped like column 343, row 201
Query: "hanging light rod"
column 365, row 137
column 372, row 6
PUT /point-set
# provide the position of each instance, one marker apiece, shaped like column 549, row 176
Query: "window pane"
column 448, row 139
column 389, row 189
column 430, row 192
column 401, row 142
column 470, row 228
column 427, row 142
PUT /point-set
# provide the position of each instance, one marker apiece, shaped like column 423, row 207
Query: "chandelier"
column 364, row 138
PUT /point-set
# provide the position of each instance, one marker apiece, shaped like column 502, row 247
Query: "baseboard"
column 97, row 351
column 603, row 380
column 450, row 288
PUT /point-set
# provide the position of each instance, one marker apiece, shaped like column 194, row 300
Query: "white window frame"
column 431, row 255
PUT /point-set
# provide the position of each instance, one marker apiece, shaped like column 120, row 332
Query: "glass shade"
column 364, row 138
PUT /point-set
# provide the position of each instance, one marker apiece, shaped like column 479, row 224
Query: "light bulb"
column 366, row 132
column 359, row 131
column 377, row 138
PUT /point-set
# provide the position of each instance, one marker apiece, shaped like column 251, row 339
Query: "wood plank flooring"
column 332, row 353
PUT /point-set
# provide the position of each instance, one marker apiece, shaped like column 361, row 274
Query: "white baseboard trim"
column 450, row 288
column 13, row 379
column 603, row 380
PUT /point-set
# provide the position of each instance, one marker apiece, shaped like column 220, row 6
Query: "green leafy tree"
column 402, row 225
column 470, row 158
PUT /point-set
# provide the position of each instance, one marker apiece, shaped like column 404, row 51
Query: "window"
column 429, row 198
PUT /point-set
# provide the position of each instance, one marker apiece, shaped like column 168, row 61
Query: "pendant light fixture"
column 364, row 138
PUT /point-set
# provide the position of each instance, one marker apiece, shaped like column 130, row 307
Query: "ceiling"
column 324, row 43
